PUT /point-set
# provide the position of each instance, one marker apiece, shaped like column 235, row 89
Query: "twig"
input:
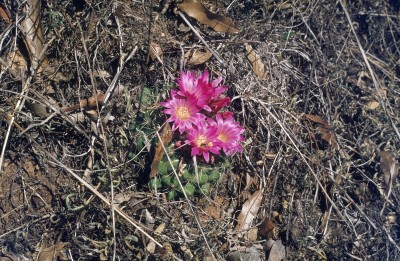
column 17, row 110
column 95, row 192
column 306, row 162
column 371, row 72
column 201, row 38
column 38, row 124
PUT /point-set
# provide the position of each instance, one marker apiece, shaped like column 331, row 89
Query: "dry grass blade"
column 197, row 10
column 372, row 73
column 34, row 39
column 96, row 193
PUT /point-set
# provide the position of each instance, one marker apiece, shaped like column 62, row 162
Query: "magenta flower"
column 184, row 113
column 203, row 140
column 201, row 90
column 217, row 104
column 228, row 134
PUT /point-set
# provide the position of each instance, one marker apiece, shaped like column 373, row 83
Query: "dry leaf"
column 249, row 211
column 122, row 198
column 277, row 252
column 317, row 119
column 18, row 62
column 283, row 6
column 166, row 136
column 329, row 136
column 155, row 51
column 252, row 234
column 389, row 166
column 37, row 108
column 325, row 129
column 214, row 210
column 5, row 14
column 198, row 11
column 266, row 229
column 51, row 253
column 151, row 247
column 160, row 228
column 197, row 57
column 256, row 63
column 372, row 105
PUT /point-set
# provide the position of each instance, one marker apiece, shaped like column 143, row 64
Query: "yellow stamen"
column 182, row 113
column 201, row 141
column 222, row 137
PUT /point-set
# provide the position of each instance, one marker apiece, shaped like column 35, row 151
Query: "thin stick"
column 18, row 108
column 371, row 72
column 95, row 192
column 201, row 38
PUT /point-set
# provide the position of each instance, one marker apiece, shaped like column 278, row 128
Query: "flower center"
column 202, row 141
column 182, row 113
column 222, row 137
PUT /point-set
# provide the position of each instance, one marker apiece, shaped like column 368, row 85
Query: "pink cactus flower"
column 203, row 139
column 201, row 90
column 217, row 104
column 183, row 113
column 228, row 134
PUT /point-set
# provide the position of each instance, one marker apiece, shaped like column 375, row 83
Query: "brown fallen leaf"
column 18, row 62
column 283, row 5
column 197, row 57
column 198, row 11
column 166, row 136
column 266, row 228
column 389, row 166
column 50, row 253
column 249, row 211
column 151, row 247
column 277, row 252
column 325, row 129
column 101, row 74
column 5, row 14
column 155, row 51
column 329, row 136
column 317, row 119
column 256, row 63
